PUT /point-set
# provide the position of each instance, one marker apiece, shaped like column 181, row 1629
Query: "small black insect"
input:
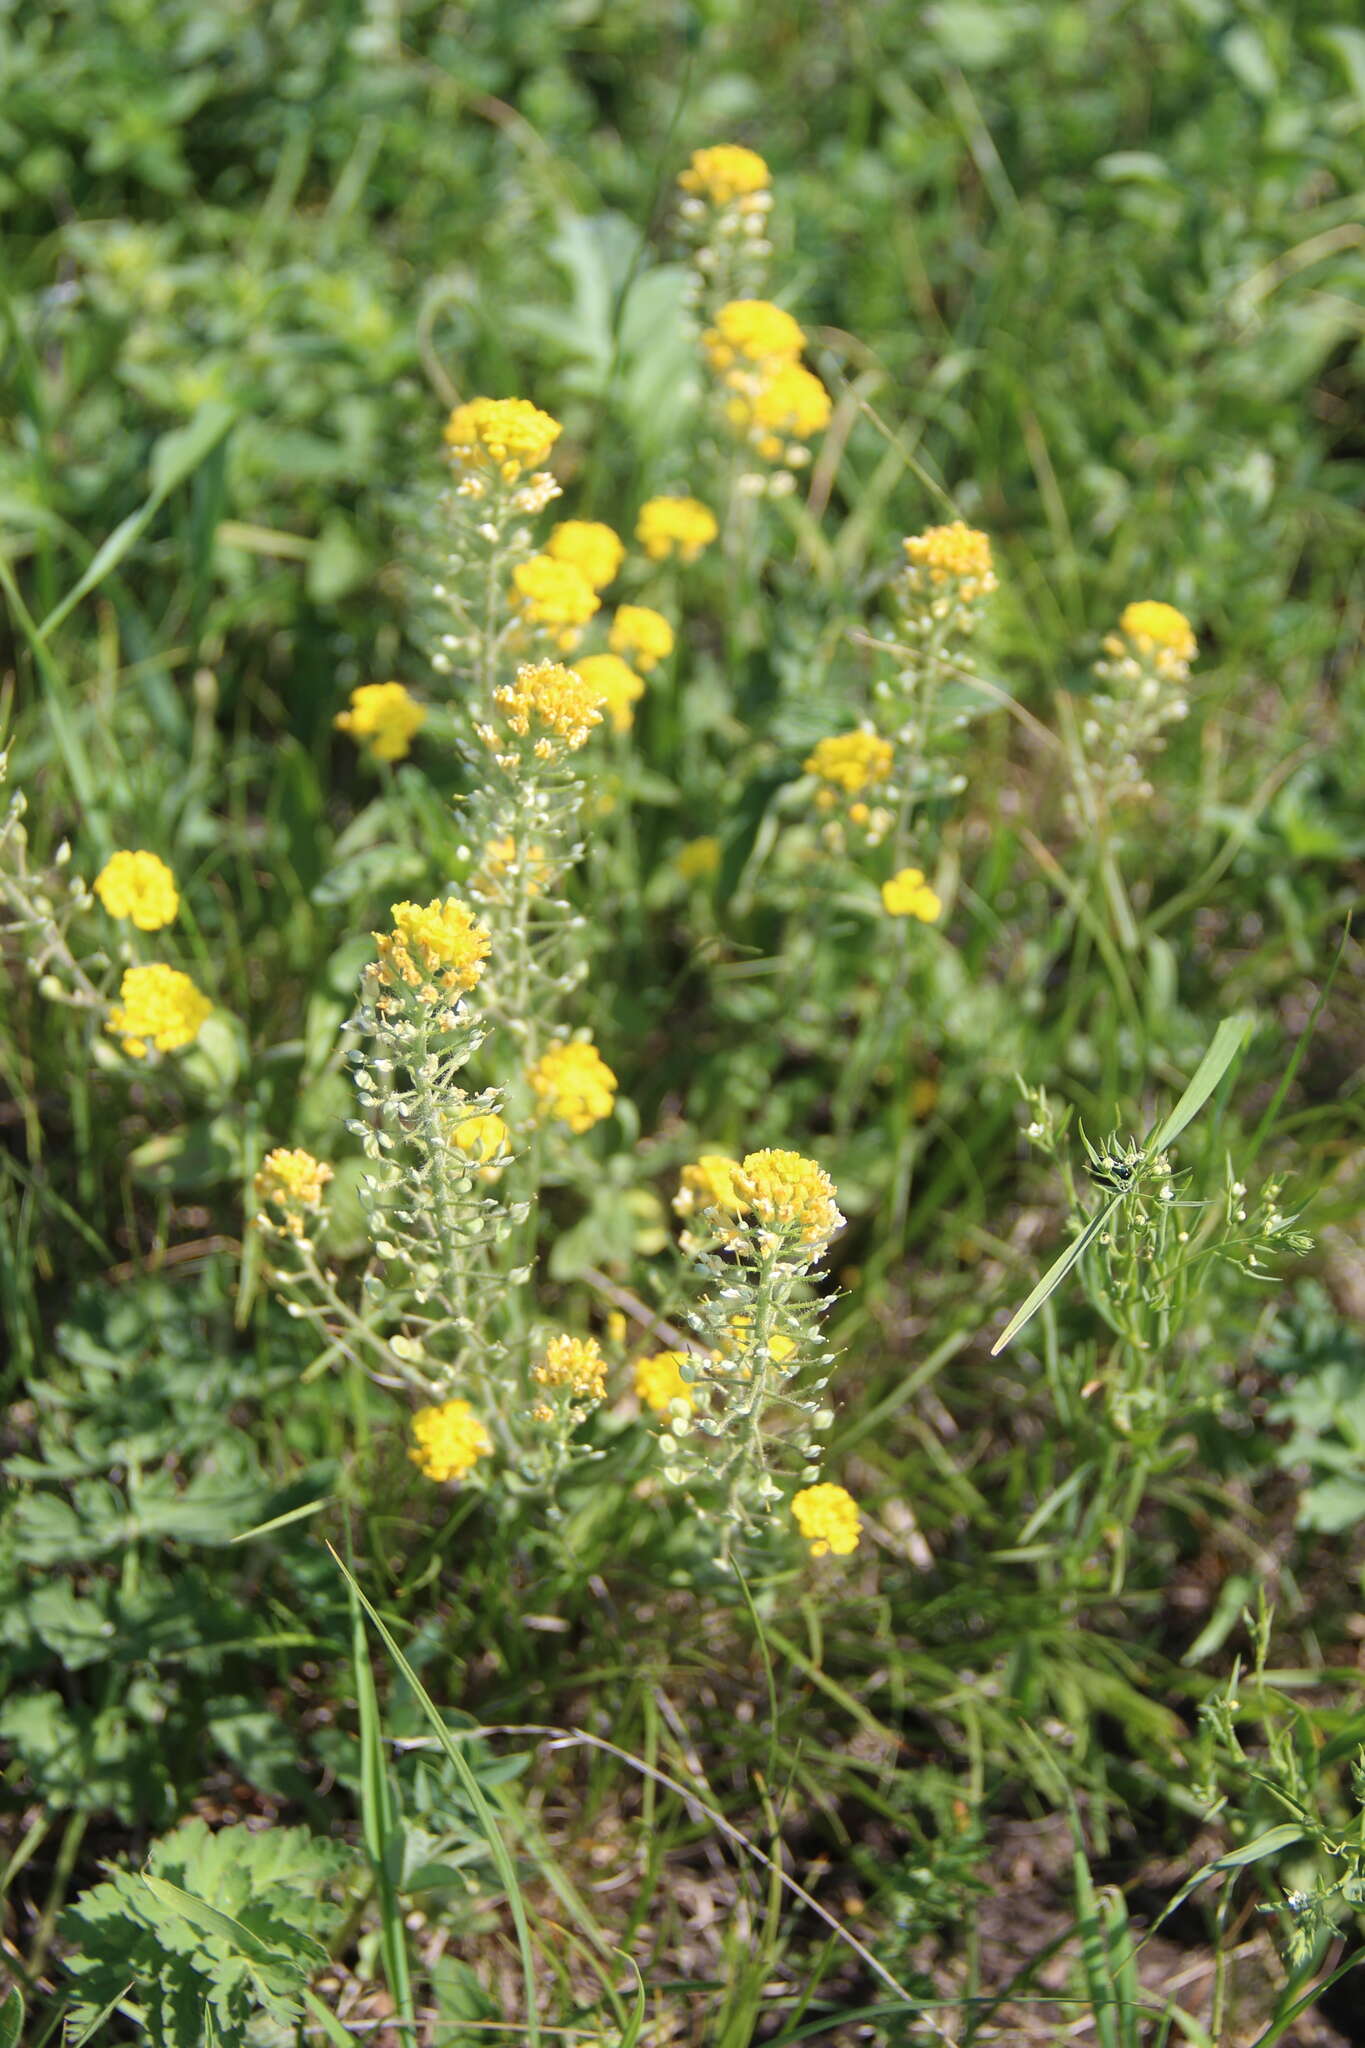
column 1115, row 1174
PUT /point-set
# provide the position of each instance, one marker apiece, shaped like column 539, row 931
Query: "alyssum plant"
column 473, row 1095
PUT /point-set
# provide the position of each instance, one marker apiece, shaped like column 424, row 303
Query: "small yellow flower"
column 507, row 434
column 955, row 554
column 440, row 945
column 576, row 1363
column 789, row 1194
column 675, row 526
column 617, row 684
column 698, row 859
column 383, row 717
column 552, row 698
column 659, row 1381
column 791, row 401
column 555, row 596
column 709, row 1183
column 157, row 1006
column 450, row 1440
column 641, row 636
column 827, row 1517
column 752, row 331
column 574, row 1084
column 139, row 886
column 780, row 1346
column 907, row 894
column 1158, row 635
column 484, row 1138
column 725, row 172
column 501, row 867
column 616, row 1327
column 851, row 761
column 596, row 551
column 293, row 1182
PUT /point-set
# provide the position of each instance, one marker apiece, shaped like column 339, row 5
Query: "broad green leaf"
column 11, row 2018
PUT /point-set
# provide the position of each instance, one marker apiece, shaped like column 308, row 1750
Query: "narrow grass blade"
column 11, row 2018
column 473, row 1791
column 1055, row 1275
column 1228, row 1041
column 1286, row 1081
column 380, row 1822
column 174, row 458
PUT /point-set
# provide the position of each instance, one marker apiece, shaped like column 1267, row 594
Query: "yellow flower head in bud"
column 955, row 554
column 907, row 894
column 293, row 1183
column 780, row 1346
column 556, row 596
column 574, row 1084
column 675, row 526
column 698, row 859
column 827, row 1517
column 484, row 1139
column 709, row 1183
column 586, row 545
column 382, row 717
column 725, row 172
column 1158, row 630
column 659, row 1380
column 576, row 1363
column 791, row 401
column 752, row 331
column 640, row 636
column 158, row 1006
column 617, row 684
column 790, row 1195
column 438, row 946
column 509, row 435
column 851, row 761
column 551, row 699
column 138, row 886
column 449, row 1441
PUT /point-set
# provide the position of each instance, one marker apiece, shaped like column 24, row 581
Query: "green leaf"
column 1228, row 1041
column 11, row 2018
column 1261, row 1846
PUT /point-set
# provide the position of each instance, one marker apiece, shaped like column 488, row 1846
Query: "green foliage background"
column 1104, row 268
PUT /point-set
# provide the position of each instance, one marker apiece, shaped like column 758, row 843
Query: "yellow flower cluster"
column 588, row 546
column 675, row 526
column 556, row 595
column 1159, row 636
column 484, row 1138
column 851, row 761
column 659, row 1381
column 574, row 1084
column 752, row 333
column 509, row 435
column 576, row 1363
column 617, row 685
column 640, row 635
column 725, row 172
column 827, row 1517
column 788, row 1194
column 450, row 1440
column 436, row 945
column 138, row 886
column 384, row 717
column 956, row 555
column 556, row 699
column 788, row 401
column 158, row 1006
column 709, row 1183
column 907, row 894
column 291, row 1181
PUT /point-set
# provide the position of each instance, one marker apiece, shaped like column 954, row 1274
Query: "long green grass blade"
column 1055, row 1275
column 1228, row 1041
column 473, row 1791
